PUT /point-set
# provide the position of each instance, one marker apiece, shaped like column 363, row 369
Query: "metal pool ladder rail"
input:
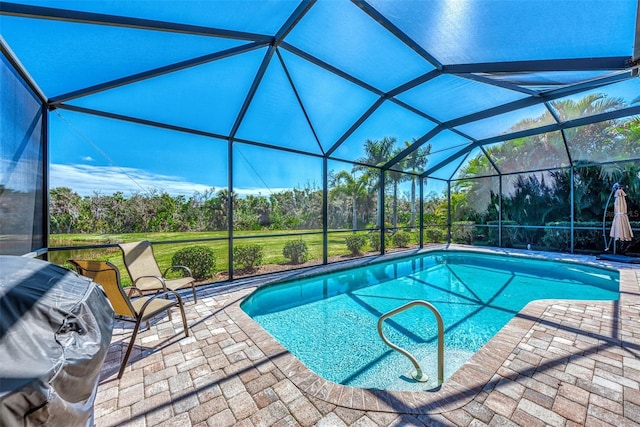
column 418, row 375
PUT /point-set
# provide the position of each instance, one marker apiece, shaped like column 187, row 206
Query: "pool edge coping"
column 463, row 386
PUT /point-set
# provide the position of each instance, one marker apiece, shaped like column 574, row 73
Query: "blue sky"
column 89, row 153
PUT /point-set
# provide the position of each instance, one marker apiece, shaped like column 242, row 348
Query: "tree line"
column 158, row 211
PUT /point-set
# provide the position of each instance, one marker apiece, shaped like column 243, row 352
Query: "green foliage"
column 435, row 235
column 355, row 243
column 201, row 260
column 374, row 241
column 296, row 251
column 557, row 236
column 509, row 235
column 248, row 256
column 528, row 199
column 463, row 232
column 401, row 239
column 156, row 211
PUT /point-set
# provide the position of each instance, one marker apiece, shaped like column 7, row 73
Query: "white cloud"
column 88, row 159
column 87, row 180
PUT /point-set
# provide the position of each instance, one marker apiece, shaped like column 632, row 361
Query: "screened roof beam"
column 587, row 85
column 286, row 28
column 17, row 65
column 455, row 171
column 277, row 147
column 145, row 122
column 596, row 118
column 161, row 125
column 412, row 109
column 320, row 63
column 39, row 12
column 493, row 163
column 554, row 114
column 421, row 141
column 382, row 20
column 252, row 91
column 299, row 99
column 356, row 125
column 413, row 147
column 537, row 98
column 534, row 100
column 610, row 162
column 157, row 72
column 498, row 83
column 582, row 121
column 553, row 168
column 415, row 82
column 479, row 143
column 491, row 112
column 293, row 20
column 579, row 64
column 566, row 146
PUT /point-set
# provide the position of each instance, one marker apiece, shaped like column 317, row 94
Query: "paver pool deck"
column 557, row 363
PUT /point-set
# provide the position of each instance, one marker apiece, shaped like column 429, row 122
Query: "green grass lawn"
column 272, row 246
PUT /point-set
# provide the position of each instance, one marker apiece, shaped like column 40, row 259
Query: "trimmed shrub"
column 296, row 251
column 556, row 238
column 557, row 235
column 435, row 234
column 463, row 232
column 401, row 239
column 355, row 243
column 374, row 241
column 201, row 260
column 248, row 256
column 510, row 235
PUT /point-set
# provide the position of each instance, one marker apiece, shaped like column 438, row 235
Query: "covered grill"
column 55, row 329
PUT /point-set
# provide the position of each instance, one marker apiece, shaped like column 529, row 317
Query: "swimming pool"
column 329, row 321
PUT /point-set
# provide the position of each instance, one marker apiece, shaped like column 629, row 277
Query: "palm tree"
column 589, row 142
column 396, row 178
column 356, row 188
column 416, row 163
column 377, row 153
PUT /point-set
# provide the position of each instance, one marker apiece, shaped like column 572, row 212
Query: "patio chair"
column 145, row 273
column 136, row 310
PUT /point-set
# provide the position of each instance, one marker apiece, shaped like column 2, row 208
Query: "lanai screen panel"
column 342, row 35
column 325, row 77
column 21, row 166
column 389, row 121
column 612, row 97
column 479, row 32
column 449, row 97
column 352, row 196
column 333, row 103
column 537, row 152
column 188, row 98
column 74, row 56
column 143, row 172
column 477, row 68
column 604, row 142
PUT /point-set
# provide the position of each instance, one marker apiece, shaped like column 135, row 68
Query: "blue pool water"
column 329, row 321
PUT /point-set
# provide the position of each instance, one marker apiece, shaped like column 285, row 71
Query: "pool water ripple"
column 329, row 322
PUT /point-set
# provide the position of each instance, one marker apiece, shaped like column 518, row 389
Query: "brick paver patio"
column 558, row 363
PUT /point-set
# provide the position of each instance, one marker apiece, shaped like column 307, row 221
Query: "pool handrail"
column 418, row 375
